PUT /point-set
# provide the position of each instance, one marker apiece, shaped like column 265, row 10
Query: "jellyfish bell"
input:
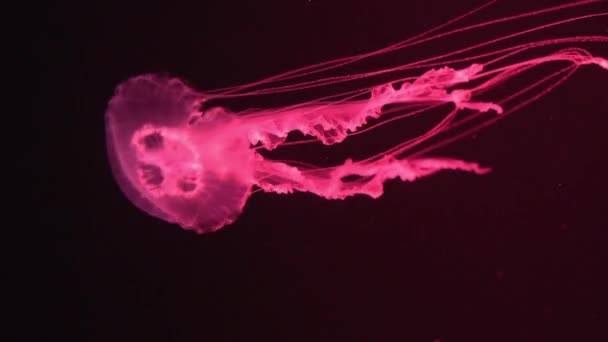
column 197, row 165
column 170, row 165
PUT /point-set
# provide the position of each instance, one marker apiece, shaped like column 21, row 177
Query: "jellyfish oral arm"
column 353, row 178
column 331, row 123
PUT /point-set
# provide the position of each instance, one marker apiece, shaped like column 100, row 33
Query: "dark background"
column 515, row 255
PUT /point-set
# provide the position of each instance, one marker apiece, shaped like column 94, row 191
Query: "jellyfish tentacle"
column 599, row 61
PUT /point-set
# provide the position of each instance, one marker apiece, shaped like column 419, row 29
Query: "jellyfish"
column 180, row 156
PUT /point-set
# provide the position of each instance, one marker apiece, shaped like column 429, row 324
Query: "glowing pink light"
column 197, row 168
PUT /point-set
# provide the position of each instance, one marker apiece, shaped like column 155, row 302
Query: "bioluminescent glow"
column 187, row 162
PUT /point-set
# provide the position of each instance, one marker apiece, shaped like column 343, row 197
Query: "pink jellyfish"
column 180, row 159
